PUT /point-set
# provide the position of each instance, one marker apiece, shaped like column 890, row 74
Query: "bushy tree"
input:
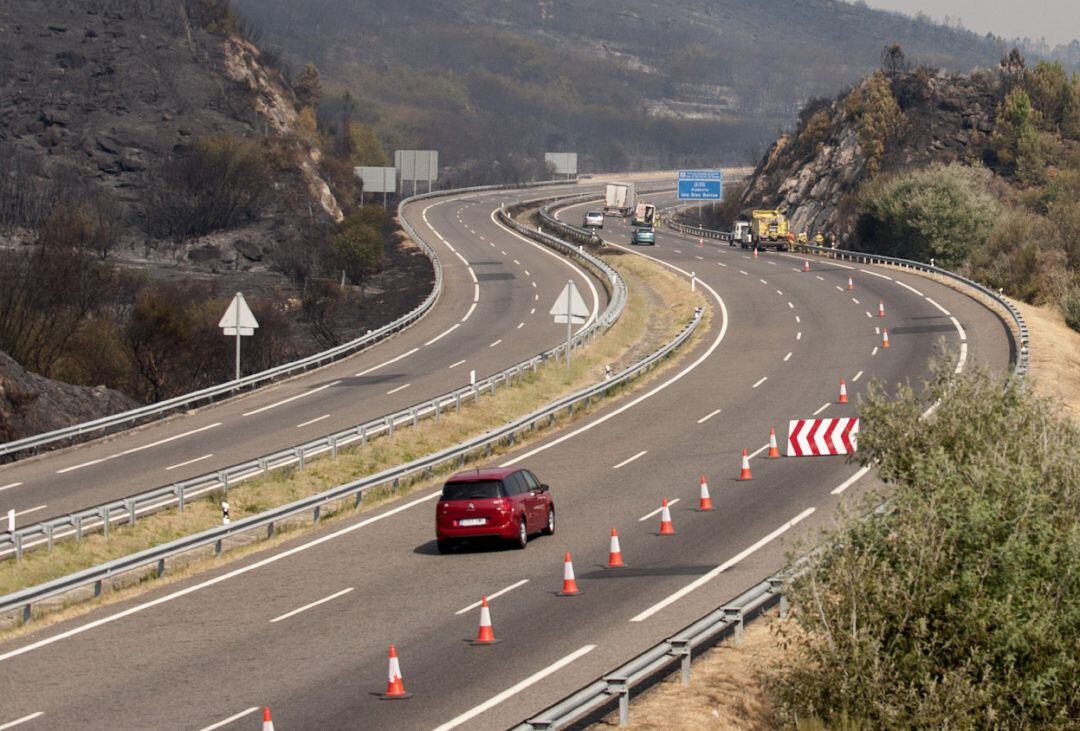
column 308, row 87
column 958, row 605
column 1016, row 140
column 941, row 212
column 877, row 117
column 357, row 244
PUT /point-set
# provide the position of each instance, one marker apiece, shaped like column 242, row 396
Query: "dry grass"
column 1055, row 356
column 659, row 305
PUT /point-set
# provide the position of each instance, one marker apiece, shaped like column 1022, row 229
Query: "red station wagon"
column 508, row 503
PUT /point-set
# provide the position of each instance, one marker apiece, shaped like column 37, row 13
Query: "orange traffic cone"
column 705, row 502
column 701, row 243
column 806, row 265
column 395, row 688
column 881, row 309
column 774, row 450
column 486, row 634
column 850, row 284
column 569, row 584
column 745, row 474
column 843, row 392
column 268, row 723
column 755, row 252
column 666, row 527
column 884, row 337
column 615, row 556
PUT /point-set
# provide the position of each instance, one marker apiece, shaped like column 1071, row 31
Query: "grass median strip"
column 659, row 305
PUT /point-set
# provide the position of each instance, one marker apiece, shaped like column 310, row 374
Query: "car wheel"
column 550, row 529
column 445, row 546
column 522, row 539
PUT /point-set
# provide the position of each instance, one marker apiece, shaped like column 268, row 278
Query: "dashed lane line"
column 159, row 442
column 645, row 517
column 230, row 719
column 20, row 721
column 208, row 456
column 388, row 362
column 820, row 409
column 631, row 459
column 314, row 604
column 496, row 595
column 763, row 379
column 708, row 416
column 402, row 387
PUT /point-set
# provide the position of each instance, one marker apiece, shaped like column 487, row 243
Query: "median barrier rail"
column 1020, row 366
column 263, row 523
column 130, row 508
column 150, row 412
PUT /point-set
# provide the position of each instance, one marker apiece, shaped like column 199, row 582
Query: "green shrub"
column 941, row 212
column 958, row 606
column 877, row 117
column 1071, row 306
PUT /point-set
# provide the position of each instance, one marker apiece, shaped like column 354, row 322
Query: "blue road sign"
column 701, row 185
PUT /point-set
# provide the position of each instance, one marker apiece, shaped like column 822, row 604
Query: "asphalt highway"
column 305, row 628
column 493, row 313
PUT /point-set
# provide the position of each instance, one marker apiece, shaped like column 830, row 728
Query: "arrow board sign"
column 238, row 319
column 569, row 307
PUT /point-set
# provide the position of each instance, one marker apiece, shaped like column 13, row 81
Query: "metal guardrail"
column 264, row 522
column 158, row 410
column 1020, row 367
column 130, row 508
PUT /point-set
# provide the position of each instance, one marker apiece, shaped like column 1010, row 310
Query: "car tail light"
column 500, row 504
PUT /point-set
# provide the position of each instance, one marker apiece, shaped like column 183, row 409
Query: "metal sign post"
column 570, row 308
column 238, row 320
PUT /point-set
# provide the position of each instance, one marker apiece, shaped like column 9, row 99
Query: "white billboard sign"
column 565, row 163
column 377, row 180
column 417, row 164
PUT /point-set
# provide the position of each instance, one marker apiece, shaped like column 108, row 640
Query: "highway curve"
column 511, row 284
column 208, row 649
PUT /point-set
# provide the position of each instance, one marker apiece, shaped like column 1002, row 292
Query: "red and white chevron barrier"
column 818, row 437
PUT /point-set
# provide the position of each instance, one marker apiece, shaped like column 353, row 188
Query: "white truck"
column 741, row 235
column 619, row 199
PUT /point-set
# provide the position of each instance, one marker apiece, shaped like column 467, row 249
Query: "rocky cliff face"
column 887, row 122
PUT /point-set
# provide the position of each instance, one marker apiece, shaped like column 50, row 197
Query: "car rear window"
column 479, row 490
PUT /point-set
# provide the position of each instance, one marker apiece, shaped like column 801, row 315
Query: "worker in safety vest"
column 803, row 238
column 819, row 240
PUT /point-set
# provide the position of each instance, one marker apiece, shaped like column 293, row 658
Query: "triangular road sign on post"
column 238, row 320
column 569, row 304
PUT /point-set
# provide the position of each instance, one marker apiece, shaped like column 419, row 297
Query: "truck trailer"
column 619, row 199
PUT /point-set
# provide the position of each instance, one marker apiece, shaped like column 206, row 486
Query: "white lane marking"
column 771, row 263
column 762, row 281
column 19, row 721
column 708, row 416
column 230, row 719
column 763, row 379
column 634, row 402
column 631, row 459
column 534, row 284
column 515, row 689
column 502, row 252
column 645, row 517
column 959, row 329
column 75, row 631
column 820, row 277
column 316, row 420
column 469, row 313
column 133, row 450
column 443, row 334
column 877, row 330
column 30, row 510
column 517, row 262
column 855, row 300
column 796, row 269
column 392, row 391
column 874, row 351
column 496, row 595
column 463, row 259
column 742, row 272
column 200, row 459
column 908, row 286
column 306, row 607
column 842, row 266
column 963, row 357
column 455, row 365
column 935, row 304
column 790, row 306
column 851, row 480
column 856, row 377
column 798, row 335
column 532, row 311
column 677, row 251
column 701, row 581
column 721, row 263
column 476, row 283
column 839, row 288
column 780, row 293
column 527, row 273
column 786, row 357
column 536, row 297
column 822, row 408
column 495, row 343
column 702, row 258
column 385, row 363
column 297, row 396
column 797, row 319
column 8, row 487
column 520, row 325
column 757, row 451
column 882, row 276
column 869, row 315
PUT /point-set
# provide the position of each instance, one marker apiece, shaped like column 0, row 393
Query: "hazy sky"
column 1056, row 20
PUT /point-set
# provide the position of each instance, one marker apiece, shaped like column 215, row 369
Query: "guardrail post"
column 129, row 505
column 17, row 537
column 412, row 413
column 681, row 649
column 49, row 533
column 223, row 475
column 26, row 613
column 300, row 457
column 333, row 448
column 264, row 465
column 217, row 547
column 160, row 567
column 363, row 435
column 390, row 426
column 437, row 404
column 776, row 586
column 457, row 403
column 621, row 687
column 105, row 521
column 735, row 614
column 178, row 490
column 358, row 499
column 315, row 514
column 270, row 529
column 97, row 588
column 78, row 528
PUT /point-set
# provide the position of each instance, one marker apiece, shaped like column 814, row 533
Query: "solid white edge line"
column 701, row 581
column 850, row 481
column 316, row 603
column 708, row 416
column 496, row 595
column 963, row 357
column 301, row 395
column 645, row 517
column 625, row 462
column 386, row 363
column 230, row 719
column 875, row 274
column 515, row 689
column 443, row 334
column 206, row 456
column 763, row 379
column 935, row 304
column 959, row 329
column 822, row 408
column 908, row 286
column 8, row 487
column 133, row 450
column 30, row 510
column 469, row 313
column 19, row 721
column 74, row 631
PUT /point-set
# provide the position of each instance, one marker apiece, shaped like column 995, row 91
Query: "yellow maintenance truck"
column 768, row 228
